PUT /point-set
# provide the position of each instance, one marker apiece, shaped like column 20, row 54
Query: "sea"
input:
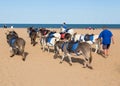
column 117, row 26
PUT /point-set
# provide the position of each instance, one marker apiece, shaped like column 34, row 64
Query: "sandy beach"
column 41, row 69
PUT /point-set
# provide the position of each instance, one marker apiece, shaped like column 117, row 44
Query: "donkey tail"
column 55, row 48
column 90, row 59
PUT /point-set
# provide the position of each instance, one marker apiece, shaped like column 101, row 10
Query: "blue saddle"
column 88, row 37
column 12, row 41
column 74, row 46
column 67, row 30
column 51, row 34
column 91, row 38
column 49, row 39
column 71, row 47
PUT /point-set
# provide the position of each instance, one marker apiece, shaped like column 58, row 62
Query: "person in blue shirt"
column 63, row 27
column 106, row 36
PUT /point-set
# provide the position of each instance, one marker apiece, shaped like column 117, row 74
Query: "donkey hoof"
column 23, row 59
column 90, row 67
column 70, row 64
column 55, row 56
column 60, row 62
column 12, row 55
column 84, row 66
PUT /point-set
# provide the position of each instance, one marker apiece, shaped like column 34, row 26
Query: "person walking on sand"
column 106, row 36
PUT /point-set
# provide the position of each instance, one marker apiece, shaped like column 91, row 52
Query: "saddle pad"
column 88, row 38
column 51, row 34
column 49, row 39
column 91, row 38
column 74, row 46
column 62, row 35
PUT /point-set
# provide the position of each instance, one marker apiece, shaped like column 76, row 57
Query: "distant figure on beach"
column 63, row 27
column 5, row 26
column 106, row 36
column 11, row 27
column 90, row 28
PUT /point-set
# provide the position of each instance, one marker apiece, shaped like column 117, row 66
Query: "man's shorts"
column 106, row 46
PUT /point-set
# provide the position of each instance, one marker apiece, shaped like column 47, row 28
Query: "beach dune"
column 41, row 69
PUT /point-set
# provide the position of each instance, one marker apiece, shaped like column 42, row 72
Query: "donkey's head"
column 11, row 34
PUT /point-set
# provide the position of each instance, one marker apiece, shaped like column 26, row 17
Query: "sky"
column 59, row 11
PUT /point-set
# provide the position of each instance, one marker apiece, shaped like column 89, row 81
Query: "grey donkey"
column 71, row 47
column 16, row 44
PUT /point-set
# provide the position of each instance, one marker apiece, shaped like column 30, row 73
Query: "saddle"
column 67, row 30
column 51, row 34
column 12, row 41
column 88, row 37
column 44, row 31
column 48, row 39
column 71, row 46
column 62, row 35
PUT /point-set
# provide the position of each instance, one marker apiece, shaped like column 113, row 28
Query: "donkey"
column 16, row 44
column 43, row 34
column 49, row 39
column 74, row 47
column 33, row 35
column 89, row 38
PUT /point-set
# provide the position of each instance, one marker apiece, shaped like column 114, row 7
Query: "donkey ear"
column 74, row 33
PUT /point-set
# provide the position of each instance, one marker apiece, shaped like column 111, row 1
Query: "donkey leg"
column 24, row 56
column 44, row 43
column 48, row 49
column 34, row 42
column 85, row 63
column 56, row 52
column 22, row 53
column 62, row 58
column 31, row 40
column 70, row 60
column 96, row 48
column 85, row 60
column 11, row 52
column 43, row 47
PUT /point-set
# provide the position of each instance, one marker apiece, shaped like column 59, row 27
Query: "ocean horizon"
column 59, row 25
